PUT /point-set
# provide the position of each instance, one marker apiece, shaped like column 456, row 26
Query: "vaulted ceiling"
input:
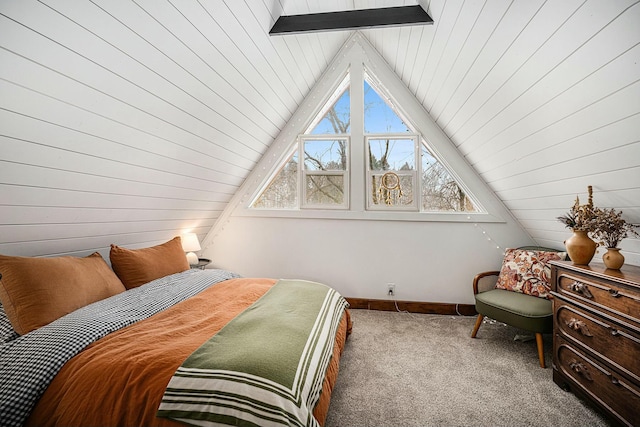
column 128, row 120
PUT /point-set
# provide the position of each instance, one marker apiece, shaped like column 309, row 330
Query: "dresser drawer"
column 613, row 297
column 617, row 344
column 612, row 391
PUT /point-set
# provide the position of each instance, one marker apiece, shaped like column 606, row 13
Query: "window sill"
column 469, row 217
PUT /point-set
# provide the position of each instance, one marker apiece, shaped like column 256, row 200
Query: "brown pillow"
column 37, row 291
column 136, row 267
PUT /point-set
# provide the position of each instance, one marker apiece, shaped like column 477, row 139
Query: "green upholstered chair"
column 519, row 310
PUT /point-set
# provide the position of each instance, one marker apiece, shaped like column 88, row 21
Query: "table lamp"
column 190, row 244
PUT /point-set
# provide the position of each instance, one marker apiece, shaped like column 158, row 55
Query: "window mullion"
column 358, row 146
column 417, row 194
column 301, row 172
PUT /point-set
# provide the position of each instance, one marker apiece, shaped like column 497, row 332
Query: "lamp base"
column 192, row 258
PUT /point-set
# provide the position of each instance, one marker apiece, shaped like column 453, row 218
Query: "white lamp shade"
column 190, row 242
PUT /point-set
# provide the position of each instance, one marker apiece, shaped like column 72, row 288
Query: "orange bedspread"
column 120, row 379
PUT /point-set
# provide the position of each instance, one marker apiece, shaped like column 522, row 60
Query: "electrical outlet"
column 391, row 289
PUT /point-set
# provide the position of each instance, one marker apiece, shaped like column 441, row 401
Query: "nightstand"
column 202, row 263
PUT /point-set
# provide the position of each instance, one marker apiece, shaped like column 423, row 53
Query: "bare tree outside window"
column 325, row 162
column 337, row 118
column 440, row 192
column 282, row 191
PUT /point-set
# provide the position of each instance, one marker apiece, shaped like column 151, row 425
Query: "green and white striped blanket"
column 265, row 367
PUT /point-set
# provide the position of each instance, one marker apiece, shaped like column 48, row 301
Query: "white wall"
column 430, row 262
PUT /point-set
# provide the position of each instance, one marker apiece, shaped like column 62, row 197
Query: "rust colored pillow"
column 37, row 291
column 136, row 267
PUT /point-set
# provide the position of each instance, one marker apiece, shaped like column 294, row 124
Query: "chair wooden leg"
column 477, row 325
column 540, row 349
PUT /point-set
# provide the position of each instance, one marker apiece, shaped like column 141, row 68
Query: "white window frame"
column 303, row 173
column 414, row 174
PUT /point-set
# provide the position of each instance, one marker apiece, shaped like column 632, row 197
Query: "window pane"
column 392, row 154
column 325, row 189
column 282, row 191
column 337, row 119
column 389, row 191
column 325, row 155
column 379, row 117
column 440, row 191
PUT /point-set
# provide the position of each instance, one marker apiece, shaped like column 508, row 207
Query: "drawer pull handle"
column 580, row 369
column 615, row 332
column 614, row 293
column 615, row 381
column 579, row 326
column 581, row 289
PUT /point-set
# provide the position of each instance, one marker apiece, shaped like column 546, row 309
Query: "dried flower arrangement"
column 580, row 217
column 611, row 228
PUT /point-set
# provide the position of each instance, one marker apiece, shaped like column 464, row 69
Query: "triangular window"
column 335, row 116
column 386, row 156
column 440, row 191
column 379, row 116
column 282, row 190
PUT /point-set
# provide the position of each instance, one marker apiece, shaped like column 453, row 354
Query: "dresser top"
column 629, row 274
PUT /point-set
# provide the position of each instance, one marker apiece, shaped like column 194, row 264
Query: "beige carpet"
column 402, row 369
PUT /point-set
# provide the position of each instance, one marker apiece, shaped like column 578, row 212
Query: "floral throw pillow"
column 527, row 272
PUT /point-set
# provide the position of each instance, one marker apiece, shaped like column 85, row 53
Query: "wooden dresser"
column 596, row 336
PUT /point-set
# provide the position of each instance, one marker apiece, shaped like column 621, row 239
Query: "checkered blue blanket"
column 30, row 362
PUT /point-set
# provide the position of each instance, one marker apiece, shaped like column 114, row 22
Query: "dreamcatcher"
column 389, row 182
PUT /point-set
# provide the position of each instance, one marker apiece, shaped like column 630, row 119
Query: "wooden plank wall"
column 130, row 121
column 542, row 97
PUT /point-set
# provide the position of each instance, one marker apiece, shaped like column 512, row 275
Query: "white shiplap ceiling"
column 128, row 121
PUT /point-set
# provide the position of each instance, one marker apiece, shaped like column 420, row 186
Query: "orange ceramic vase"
column 580, row 247
column 613, row 259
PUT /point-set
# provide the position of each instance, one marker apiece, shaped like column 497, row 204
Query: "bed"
column 195, row 347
